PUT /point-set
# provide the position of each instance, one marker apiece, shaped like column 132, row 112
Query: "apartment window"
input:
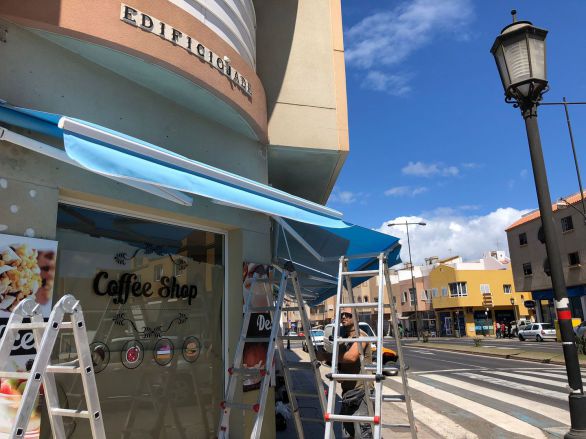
column 567, row 224
column 444, row 292
column 527, row 271
column 412, row 296
column 404, row 298
column 366, row 298
column 485, row 289
column 434, row 292
column 522, row 238
column 394, row 300
column 425, row 295
column 574, row 259
column 507, row 288
column 458, row 289
column 376, row 299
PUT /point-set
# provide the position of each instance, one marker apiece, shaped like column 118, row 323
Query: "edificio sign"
column 157, row 27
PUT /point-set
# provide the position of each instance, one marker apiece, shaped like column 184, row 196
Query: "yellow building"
column 469, row 297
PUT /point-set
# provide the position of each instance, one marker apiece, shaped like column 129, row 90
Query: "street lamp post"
column 519, row 52
column 514, row 309
column 413, row 289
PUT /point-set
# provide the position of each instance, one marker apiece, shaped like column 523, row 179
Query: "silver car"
column 537, row 332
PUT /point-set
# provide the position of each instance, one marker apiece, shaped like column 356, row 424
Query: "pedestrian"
column 503, row 329
column 498, row 330
column 509, row 332
column 354, row 393
column 401, row 330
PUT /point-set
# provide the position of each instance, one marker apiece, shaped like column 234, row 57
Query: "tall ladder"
column 313, row 365
column 237, row 373
column 369, row 373
column 45, row 336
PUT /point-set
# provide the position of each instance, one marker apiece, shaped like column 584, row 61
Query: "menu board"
column 27, row 269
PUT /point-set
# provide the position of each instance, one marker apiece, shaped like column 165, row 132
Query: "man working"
column 354, row 393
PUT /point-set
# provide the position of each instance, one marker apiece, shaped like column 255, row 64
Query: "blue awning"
column 164, row 173
column 575, row 291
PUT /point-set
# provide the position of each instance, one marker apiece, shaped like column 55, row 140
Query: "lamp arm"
column 573, row 207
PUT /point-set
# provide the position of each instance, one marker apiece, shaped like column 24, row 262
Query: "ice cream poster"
column 256, row 281
column 27, row 269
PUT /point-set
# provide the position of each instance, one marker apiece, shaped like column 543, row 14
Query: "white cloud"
column 448, row 233
column 345, row 197
column 420, row 169
column 388, row 38
column 523, row 173
column 403, row 191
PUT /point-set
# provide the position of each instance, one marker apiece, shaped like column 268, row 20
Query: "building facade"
column 469, row 297
column 529, row 258
column 231, row 84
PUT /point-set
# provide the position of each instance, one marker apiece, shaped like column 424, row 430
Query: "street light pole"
column 413, row 289
column 519, row 52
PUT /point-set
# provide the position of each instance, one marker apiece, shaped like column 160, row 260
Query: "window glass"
column 522, row 238
column 574, row 258
column 546, row 326
column 151, row 294
column 527, row 270
column 507, row 288
column 567, row 224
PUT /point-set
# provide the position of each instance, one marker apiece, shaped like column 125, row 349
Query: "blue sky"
column 430, row 134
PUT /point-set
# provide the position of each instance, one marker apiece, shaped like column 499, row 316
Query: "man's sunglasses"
column 346, row 315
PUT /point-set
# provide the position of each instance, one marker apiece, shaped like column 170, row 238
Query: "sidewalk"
column 504, row 352
column 391, row 412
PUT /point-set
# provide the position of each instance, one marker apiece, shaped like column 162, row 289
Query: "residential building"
column 469, row 297
column 529, row 257
column 250, row 94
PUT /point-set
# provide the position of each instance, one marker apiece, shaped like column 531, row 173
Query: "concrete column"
column 583, row 300
column 539, row 315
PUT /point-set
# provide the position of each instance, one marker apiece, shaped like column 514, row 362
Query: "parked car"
column 388, row 354
column 518, row 325
column 537, row 332
column 317, row 336
column 580, row 330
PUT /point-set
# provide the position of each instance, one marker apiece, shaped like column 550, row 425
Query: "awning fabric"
column 164, row 173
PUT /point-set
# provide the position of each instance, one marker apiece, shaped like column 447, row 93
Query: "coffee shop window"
column 152, row 299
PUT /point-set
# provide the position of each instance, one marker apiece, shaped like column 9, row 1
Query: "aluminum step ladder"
column 237, row 373
column 313, row 365
column 369, row 373
column 45, row 336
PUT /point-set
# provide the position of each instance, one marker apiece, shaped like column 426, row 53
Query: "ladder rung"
column 333, row 417
column 70, row 413
column 29, row 326
column 372, row 368
column 360, row 305
column 304, row 394
column 292, row 337
column 15, row 375
column 246, row 371
column 395, row 425
column 63, row 368
column 256, row 340
column 290, row 308
column 351, row 377
column 261, row 308
column 315, row 420
column 302, row 365
column 240, row 405
column 391, row 398
column 360, row 273
column 358, row 339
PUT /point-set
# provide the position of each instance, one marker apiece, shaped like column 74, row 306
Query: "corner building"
column 254, row 90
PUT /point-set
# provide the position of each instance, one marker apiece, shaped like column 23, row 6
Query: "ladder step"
column 396, row 426
column 372, row 368
column 256, row 340
column 391, row 398
column 30, row 326
column 305, row 394
column 360, row 273
column 358, row 339
column 262, row 308
column 246, row 371
column 360, row 305
column 290, row 308
column 70, row 413
column 333, row 417
column 15, row 375
column 63, row 368
column 351, row 377
column 292, row 337
column 314, row 420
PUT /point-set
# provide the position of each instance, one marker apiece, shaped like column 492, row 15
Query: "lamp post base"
column 577, row 417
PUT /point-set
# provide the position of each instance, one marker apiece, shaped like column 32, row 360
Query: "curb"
column 486, row 354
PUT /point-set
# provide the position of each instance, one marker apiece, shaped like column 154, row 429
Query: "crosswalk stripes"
column 477, row 403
